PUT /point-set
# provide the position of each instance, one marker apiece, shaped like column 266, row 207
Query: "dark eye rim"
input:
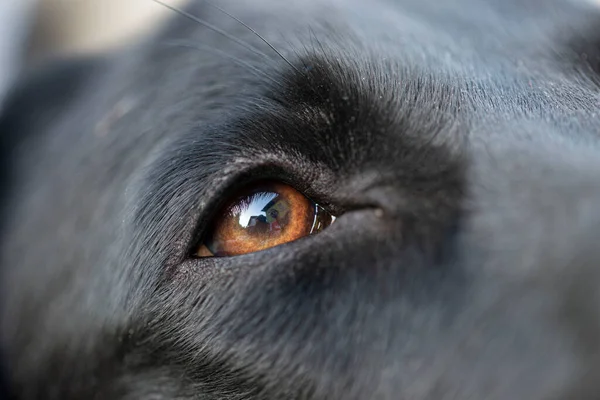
column 255, row 187
column 222, row 195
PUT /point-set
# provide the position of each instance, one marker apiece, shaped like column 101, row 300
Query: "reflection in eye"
column 263, row 216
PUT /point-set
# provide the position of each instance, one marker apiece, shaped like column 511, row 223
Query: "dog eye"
column 264, row 215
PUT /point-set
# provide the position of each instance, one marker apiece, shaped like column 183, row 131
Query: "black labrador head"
column 457, row 144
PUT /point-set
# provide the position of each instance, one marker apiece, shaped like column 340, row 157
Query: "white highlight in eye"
column 253, row 206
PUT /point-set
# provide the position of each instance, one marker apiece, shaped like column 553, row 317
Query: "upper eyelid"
column 188, row 178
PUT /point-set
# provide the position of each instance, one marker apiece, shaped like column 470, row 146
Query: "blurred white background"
column 74, row 26
column 92, row 25
column 34, row 30
column 84, row 25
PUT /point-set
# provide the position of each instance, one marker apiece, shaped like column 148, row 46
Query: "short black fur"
column 457, row 141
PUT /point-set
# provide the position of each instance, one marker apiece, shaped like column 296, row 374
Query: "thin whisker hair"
column 256, row 33
column 211, row 27
column 240, row 62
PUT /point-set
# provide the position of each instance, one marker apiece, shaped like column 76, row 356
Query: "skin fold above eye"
column 261, row 216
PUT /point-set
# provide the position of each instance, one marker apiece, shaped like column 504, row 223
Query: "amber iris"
column 263, row 215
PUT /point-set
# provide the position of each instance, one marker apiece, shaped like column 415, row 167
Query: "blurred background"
column 32, row 31
column 80, row 26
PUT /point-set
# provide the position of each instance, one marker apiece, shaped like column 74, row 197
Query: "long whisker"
column 204, row 48
column 211, row 27
column 256, row 33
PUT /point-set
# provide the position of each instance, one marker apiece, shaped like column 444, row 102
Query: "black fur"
column 472, row 125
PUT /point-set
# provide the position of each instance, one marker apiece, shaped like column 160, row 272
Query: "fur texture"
column 458, row 141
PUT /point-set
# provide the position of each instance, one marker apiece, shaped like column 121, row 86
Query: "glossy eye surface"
column 263, row 215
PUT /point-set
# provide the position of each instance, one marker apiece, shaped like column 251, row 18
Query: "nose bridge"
column 530, row 225
column 532, row 201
